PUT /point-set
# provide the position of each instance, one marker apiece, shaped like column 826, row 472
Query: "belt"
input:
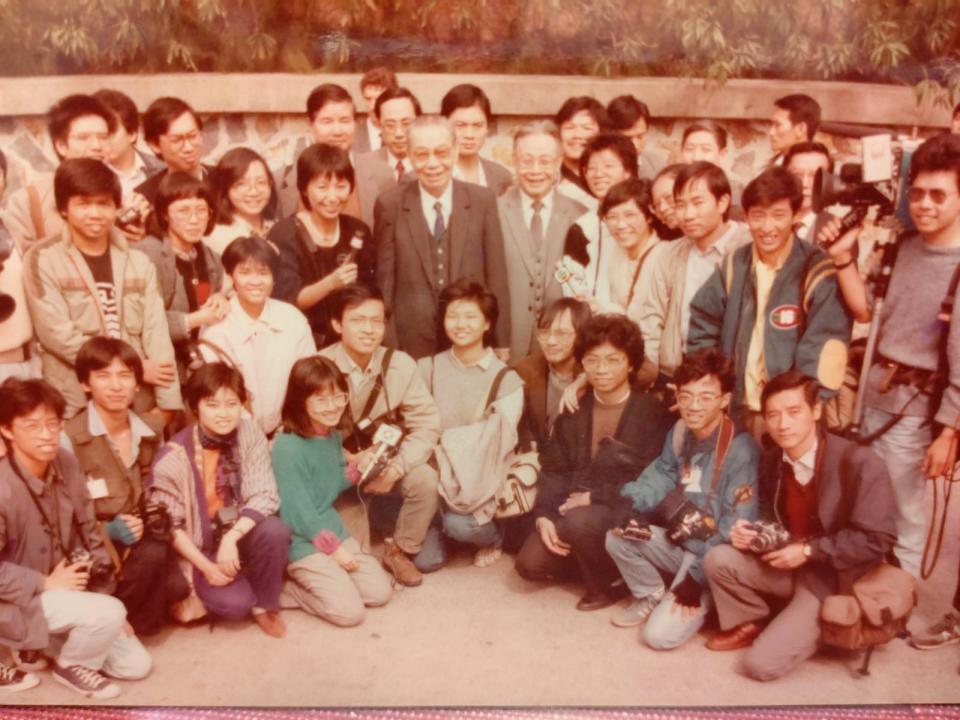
column 17, row 355
column 896, row 373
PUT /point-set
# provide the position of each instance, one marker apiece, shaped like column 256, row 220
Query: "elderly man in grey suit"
column 432, row 232
column 535, row 220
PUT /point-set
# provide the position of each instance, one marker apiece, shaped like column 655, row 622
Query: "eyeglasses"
column 337, row 401
column 665, row 202
column 34, row 427
column 595, row 362
column 937, row 197
column 422, row 155
column 544, row 334
column 201, row 212
column 685, row 399
column 178, row 141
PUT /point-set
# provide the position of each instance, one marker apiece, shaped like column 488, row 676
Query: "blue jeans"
column 462, row 528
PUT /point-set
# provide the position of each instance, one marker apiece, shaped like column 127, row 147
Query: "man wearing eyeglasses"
column 535, row 220
column 901, row 395
column 79, row 127
column 432, row 232
column 773, row 304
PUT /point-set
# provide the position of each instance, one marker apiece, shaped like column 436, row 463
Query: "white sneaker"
column 487, row 556
column 15, row 680
column 86, row 681
column 637, row 612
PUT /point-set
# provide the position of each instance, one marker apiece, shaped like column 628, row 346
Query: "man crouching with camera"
column 834, row 499
column 116, row 448
column 53, row 566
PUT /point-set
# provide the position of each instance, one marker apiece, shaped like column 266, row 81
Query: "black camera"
column 129, row 216
column 156, row 520
column 683, row 520
column 102, row 575
column 225, row 519
column 635, row 531
column 770, row 536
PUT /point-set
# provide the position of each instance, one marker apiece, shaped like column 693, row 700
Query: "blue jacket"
column 736, row 495
column 808, row 330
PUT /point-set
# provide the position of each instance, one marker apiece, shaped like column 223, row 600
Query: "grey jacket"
column 28, row 553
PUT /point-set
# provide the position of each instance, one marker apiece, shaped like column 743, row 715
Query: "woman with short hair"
column 246, row 198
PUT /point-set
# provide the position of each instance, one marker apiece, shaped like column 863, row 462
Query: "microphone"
column 385, row 440
column 356, row 245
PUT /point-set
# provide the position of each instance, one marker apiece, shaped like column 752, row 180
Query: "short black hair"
column 790, row 380
column 353, row 295
column 84, row 177
column 248, row 248
column 708, row 126
column 62, row 115
column 774, row 183
column 229, row 171
column 323, row 94
column 637, row 189
column 182, row 186
column 98, row 352
column 618, row 330
column 161, row 113
column 619, row 145
column 579, row 313
column 208, row 379
column 802, row 109
column 122, row 106
column 808, row 147
column 21, row 397
column 471, row 290
column 571, row 106
column 941, row 153
column 703, row 363
column 465, row 96
column 382, row 76
column 308, row 376
column 670, row 171
column 714, row 178
column 624, row 111
column 395, row 93
column 319, row 160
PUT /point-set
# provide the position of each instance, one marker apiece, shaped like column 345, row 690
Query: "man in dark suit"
column 432, row 232
column 468, row 108
column 535, row 220
column 382, row 169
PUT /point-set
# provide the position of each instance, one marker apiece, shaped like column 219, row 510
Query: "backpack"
column 878, row 607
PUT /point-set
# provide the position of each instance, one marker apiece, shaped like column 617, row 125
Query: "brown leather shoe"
column 741, row 636
column 271, row 623
column 396, row 561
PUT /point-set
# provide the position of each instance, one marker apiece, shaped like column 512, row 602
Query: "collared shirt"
column 358, row 377
column 427, row 202
column 700, row 266
column 132, row 178
column 373, row 133
column 138, row 430
column 392, row 162
column 804, row 226
column 805, row 465
column 755, row 368
column 264, row 349
column 526, row 206
column 481, row 175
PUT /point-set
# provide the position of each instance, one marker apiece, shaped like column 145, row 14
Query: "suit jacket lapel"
column 555, row 236
column 459, row 220
column 517, row 229
column 419, row 233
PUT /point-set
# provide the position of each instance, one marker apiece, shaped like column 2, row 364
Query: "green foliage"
column 889, row 41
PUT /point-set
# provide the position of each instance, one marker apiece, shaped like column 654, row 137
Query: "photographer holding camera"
column 704, row 481
column 116, row 447
column 901, row 394
column 54, row 570
column 834, row 498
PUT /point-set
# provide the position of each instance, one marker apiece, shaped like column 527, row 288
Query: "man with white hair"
column 431, row 233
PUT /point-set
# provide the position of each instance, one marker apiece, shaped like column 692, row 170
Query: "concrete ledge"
column 509, row 94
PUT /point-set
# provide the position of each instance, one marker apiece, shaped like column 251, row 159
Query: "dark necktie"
column 399, row 171
column 438, row 226
column 536, row 226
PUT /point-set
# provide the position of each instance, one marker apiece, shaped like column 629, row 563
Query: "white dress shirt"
column 427, row 202
column 700, row 266
column 392, row 162
column 526, row 206
column 481, row 175
column 373, row 132
column 805, row 465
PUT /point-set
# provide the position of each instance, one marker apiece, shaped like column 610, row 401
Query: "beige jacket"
column 62, row 299
column 29, row 220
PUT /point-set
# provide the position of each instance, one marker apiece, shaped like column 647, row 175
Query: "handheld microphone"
column 356, row 245
column 385, row 440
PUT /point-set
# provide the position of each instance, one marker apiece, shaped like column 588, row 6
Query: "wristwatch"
column 807, row 550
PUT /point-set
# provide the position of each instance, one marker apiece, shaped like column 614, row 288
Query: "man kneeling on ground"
column 704, row 480
column 54, row 571
column 835, row 500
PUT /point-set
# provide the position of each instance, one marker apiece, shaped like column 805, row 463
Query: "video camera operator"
column 900, row 397
column 116, row 448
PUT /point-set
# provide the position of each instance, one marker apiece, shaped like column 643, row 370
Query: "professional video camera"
column 7, row 303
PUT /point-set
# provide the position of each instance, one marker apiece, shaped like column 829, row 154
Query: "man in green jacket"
column 772, row 305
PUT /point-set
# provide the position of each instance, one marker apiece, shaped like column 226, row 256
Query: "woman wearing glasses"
column 665, row 220
column 246, row 198
column 330, row 574
column 189, row 273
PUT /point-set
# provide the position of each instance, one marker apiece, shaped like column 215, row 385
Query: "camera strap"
column 51, row 526
column 363, row 421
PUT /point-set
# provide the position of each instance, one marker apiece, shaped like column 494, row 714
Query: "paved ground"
column 472, row 636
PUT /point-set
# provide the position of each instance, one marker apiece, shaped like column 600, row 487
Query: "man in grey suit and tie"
column 429, row 234
column 535, row 220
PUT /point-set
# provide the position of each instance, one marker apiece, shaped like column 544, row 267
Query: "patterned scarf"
column 229, row 466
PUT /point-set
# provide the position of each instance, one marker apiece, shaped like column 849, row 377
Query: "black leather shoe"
column 594, row 601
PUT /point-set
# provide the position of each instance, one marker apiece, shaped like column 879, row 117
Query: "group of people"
column 610, row 369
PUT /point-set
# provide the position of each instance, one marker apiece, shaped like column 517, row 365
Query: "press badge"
column 691, row 480
column 97, row 488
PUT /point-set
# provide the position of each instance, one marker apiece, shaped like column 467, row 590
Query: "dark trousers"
column 150, row 581
column 585, row 529
column 263, row 557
